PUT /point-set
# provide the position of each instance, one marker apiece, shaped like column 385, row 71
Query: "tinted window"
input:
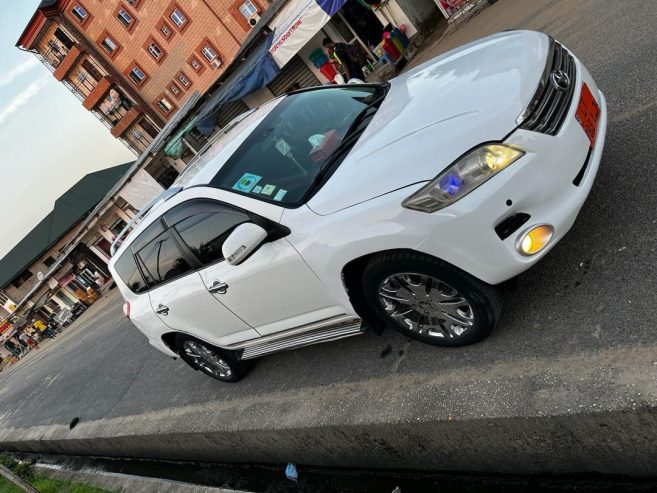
column 279, row 161
column 205, row 231
column 127, row 270
column 161, row 260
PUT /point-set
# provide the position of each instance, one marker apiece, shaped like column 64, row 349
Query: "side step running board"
column 327, row 334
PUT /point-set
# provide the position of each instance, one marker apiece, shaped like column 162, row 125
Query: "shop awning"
column 256, row 72
column 297, row 23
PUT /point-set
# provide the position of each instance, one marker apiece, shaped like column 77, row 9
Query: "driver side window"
column 204, row 227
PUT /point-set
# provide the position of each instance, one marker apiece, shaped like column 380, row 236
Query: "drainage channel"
column 271, row 479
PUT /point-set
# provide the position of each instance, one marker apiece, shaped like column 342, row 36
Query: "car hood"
column 435, row 113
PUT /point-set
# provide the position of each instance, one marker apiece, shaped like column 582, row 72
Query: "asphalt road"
column 594, row 296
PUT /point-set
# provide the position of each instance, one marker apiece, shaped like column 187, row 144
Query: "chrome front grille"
column 549, row 106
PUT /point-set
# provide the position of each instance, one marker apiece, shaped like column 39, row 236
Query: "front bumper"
column 539, row 184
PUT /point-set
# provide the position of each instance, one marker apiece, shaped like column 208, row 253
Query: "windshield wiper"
column 352, row 135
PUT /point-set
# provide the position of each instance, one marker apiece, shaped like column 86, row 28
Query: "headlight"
column 463, row 177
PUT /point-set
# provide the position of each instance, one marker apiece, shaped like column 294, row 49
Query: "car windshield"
column 286, row 155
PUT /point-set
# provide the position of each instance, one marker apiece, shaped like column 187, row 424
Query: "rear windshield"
column 280, row 160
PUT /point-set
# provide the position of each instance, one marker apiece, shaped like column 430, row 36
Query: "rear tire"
column 430, row 300
column 213, row 361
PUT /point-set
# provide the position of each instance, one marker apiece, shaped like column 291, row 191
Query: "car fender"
column 328, row 243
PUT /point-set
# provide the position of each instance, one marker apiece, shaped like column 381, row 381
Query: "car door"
column 177, row 293
column 272, row 290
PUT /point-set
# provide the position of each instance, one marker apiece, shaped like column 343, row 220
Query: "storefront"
column 301, row 26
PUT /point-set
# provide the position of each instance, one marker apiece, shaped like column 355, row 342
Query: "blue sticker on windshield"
column 247, row 182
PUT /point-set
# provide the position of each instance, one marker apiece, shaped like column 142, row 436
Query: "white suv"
column 397, row 204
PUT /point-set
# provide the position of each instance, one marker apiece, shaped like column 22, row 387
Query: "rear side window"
column 161, row 260
column 126, row 268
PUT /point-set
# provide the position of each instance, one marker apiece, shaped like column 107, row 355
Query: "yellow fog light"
column 535, row 240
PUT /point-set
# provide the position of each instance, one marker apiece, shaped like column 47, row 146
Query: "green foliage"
column 21, row 469
column 45, row 485
column 7, row 487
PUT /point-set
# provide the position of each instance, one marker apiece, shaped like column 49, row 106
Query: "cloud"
column 18, row 70
column 22, row 98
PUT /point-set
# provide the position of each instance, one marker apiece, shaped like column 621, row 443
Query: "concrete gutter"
column 580, row 414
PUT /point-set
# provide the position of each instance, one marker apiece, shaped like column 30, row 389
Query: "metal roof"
column 68, row 210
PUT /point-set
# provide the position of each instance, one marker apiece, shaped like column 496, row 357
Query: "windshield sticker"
column 279, row 196
column 268, row 189
column 247, row 182
column 257, row 189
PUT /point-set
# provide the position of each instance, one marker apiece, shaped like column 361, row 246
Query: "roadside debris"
column 291, row 472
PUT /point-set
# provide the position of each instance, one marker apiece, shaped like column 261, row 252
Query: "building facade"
column 133, row 63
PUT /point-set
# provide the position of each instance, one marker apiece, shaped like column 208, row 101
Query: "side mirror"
column 242, row 242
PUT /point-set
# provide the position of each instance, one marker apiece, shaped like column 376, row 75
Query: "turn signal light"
column 126, row 309
column 535, row 240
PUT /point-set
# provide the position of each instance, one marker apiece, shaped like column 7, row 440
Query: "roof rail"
column 160, row 199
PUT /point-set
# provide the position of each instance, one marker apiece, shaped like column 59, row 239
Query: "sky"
column 48, row 141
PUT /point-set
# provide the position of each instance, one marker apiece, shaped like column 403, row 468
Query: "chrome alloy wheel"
column 207, row 359
column 426, row 305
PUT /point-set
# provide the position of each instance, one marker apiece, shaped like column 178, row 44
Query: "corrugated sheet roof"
column 69, row 209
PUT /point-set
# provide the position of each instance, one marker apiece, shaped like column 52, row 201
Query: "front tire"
column 429, row 300
column 213, row 361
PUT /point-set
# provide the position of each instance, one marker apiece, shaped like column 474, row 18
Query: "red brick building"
column 134, row 62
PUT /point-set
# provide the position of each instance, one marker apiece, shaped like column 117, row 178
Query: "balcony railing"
column 54, row 53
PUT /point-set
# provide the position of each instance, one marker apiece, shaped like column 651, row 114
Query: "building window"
column 166, row 31
column 49, row 261
column 196, row 65
column 209, row 53
column 178, row 18
column 109, row 45
column 248, row 10
column 79, row 13
column 164, row 105
column 125, row 18
column 184, row 81
column 137, row 75
column 133, row 3
column 20, row 280
column 155, row 51
column 175, row 90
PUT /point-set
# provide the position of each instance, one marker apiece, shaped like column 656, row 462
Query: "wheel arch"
column 169, row 340
column 352, row 273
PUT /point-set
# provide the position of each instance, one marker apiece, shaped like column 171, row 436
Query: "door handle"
column 162, row 310
column 218, row 287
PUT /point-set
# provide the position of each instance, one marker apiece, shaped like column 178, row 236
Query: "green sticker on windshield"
column 268, row 189
column 247, row 182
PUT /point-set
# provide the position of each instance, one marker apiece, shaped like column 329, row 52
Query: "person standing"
column 31, row 343
column 348, row 57
column 12, row 348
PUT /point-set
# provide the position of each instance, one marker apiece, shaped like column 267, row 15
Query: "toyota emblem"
column 560, row 80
